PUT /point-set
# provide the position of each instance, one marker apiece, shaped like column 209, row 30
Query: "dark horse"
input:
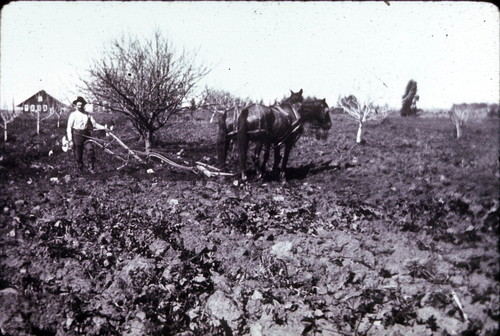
column 228, row 124
column 278, row 125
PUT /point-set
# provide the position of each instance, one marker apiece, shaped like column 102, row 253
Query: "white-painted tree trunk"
column 459, row 129
column 5, row 131
column 38, row 123
column 359, row 133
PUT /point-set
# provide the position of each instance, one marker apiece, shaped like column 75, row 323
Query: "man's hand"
column 108, row 129
column 66, row 145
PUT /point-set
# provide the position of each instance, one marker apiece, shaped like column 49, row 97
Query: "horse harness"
column 236, row 115
column 295, row 129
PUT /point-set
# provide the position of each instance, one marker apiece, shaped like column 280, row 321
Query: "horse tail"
column 243, row 139
column 222, row 139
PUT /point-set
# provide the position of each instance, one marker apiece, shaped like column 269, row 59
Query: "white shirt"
column 78, row 120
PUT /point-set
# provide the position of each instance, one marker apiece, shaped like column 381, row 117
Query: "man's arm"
column 69, row 132
column 96, row 124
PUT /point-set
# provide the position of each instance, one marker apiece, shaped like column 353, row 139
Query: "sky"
column 262, row 50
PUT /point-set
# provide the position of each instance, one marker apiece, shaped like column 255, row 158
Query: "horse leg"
column 277, row 159
column 243, row 142
column 256, row 156
column 222, row 141
column 265, row 158
column 225, row 150
column 286, row 154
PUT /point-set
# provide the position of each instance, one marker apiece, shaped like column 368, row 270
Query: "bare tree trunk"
column 362, row 112
column 360, row 133
column 148, row 141
column 5, row 131
column 38, row 123
column 459, row 129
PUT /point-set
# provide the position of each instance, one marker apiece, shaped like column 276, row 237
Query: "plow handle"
column 125, row 146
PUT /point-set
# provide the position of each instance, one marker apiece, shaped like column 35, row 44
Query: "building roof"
column 46, row 99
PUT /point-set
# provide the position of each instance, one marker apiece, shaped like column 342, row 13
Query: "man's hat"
column 80, row 100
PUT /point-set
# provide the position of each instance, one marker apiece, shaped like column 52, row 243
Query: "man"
column 79, row 129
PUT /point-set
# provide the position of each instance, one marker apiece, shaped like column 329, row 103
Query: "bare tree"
column 7, row 116
column 459, row 114
column 146, row 81
column 39, row 114
column 409, row 100
column 58, row 111
column 362, row 112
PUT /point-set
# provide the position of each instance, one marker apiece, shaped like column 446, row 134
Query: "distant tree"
column 362, row 112
column 144, row 80
column 493, row 110
column 218, row 101
column 58, row 111
column 409, row 100
column 8, row 116
column 459, row 114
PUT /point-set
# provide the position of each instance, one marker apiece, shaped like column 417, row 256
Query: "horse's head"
column 324, row 119
column 317, row 112
column 295, row 97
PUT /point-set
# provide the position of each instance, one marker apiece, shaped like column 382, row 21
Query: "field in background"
column 373, row 239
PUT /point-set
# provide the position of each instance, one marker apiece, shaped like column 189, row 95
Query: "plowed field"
column 397, row 236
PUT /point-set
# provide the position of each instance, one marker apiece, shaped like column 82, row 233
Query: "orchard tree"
column 147, row 81
column 362, row 112
column 7, row 116
column 409, row 100
column 58, row 111
column 40, row 116
column 459, row 114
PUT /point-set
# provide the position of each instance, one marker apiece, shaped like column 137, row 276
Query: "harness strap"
column 296, row 113
column 234, row 118
column 260, row 116
column 296, row 129
column 280, row 109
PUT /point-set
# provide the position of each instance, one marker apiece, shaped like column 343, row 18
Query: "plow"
column 108, row 146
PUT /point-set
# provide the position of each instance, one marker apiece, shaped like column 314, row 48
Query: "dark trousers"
column 80, row 144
